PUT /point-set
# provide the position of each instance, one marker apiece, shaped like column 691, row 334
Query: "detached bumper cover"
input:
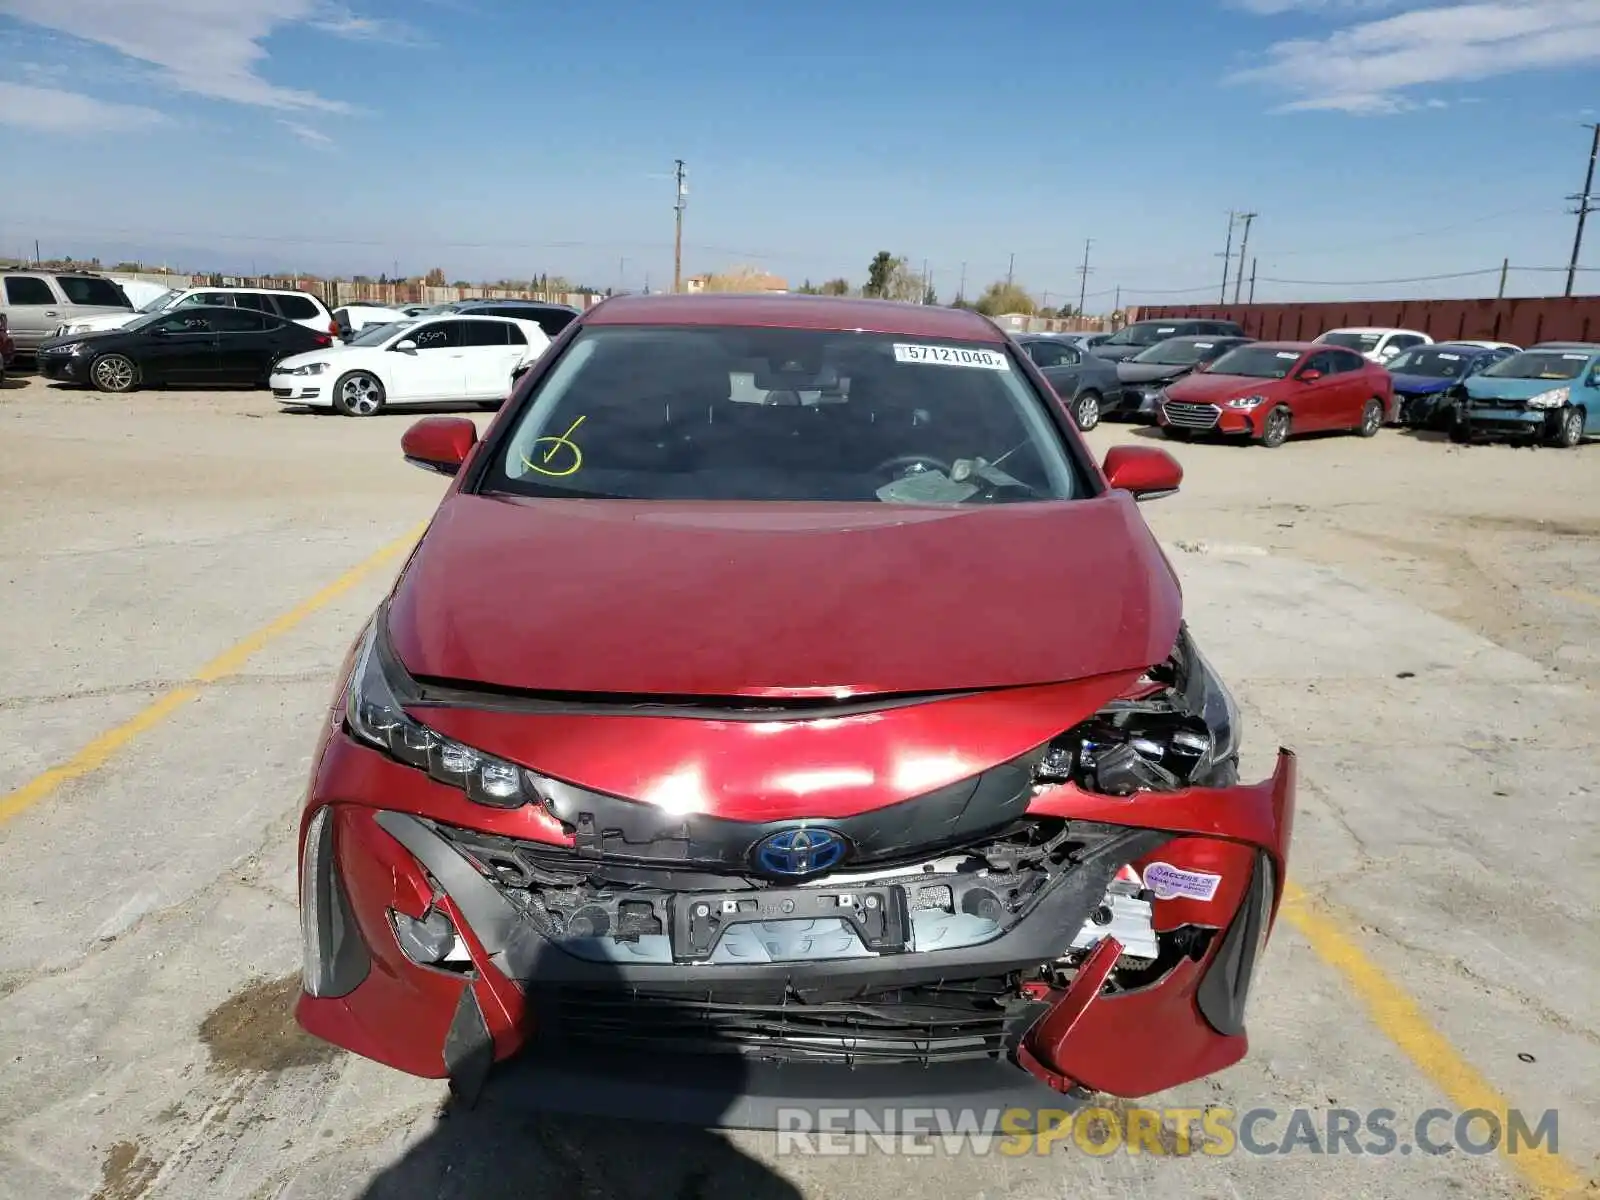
column 523, row 994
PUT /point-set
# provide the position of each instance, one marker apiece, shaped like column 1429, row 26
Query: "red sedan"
column 1268, row 391
column 783, row 708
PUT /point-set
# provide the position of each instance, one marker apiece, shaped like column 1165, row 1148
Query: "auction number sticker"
column 951, row 356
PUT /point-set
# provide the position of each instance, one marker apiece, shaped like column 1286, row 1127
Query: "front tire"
column 114, row 373
column 1276, row 431
column 1086, row 410
column 1371, row 419
column 1460, row 433
column 358, row 394
column 1569, row 428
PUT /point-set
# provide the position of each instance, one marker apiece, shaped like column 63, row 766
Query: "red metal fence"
column 1575, row 319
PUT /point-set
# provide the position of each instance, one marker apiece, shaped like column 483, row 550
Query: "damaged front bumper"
column 1102, row 942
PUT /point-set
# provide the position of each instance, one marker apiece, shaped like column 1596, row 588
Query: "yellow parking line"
column 1401, row 1020
column 98, row 752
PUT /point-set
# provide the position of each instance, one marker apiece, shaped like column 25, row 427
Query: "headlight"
column 1554, row 398
column 375, row 715
column 316, row 368
column 69, row 348
column 1246, row 401
column 1181, row 731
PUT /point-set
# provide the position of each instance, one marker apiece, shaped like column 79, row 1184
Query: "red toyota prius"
column 782, row 708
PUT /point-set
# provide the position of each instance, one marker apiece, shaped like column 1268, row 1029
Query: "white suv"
column 300, row 307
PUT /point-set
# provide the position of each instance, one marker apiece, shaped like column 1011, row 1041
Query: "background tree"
column 929, row 296
column 1001, row 297
column 739, row 279
column 836, row 287
column 879, row 272
column 435, row 277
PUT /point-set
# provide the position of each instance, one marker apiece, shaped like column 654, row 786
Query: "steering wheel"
column 901, row 461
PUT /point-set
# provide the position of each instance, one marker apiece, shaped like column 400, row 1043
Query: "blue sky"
column 1377, row 139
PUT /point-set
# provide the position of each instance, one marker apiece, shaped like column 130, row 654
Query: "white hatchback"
column 420, row 361
column 1376, row 344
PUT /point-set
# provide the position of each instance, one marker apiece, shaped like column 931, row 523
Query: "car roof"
column 797, row 312
column 542, row 305
column 1590, row 346
column 1300, row 347
column 1369, row 329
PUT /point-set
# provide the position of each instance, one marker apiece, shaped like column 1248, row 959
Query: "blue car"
column 1549, row 392
column 1425, row 375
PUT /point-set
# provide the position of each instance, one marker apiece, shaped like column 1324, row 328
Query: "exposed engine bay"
column 619, row 913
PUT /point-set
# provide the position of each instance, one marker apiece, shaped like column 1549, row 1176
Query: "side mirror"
column 439, row 443
column 405, row 346
column 1144, row 471
column 160, row 331
column 1309, row 376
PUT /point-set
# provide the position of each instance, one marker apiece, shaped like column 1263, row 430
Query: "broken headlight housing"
column 1181, row 730
column 374, row 714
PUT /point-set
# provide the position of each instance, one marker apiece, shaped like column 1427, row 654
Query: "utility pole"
column 1011, row 268
column 961, row 288
column 1244, row 244
column 1505, row 269
column 1227, row 258
column 677, row 241
column 1586, row 205
column 1083, row 272
column 923, row 299
column 1252, row 281
column 1116, row 305
column 36, row 258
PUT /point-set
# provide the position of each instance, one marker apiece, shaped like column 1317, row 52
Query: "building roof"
column 797, row 312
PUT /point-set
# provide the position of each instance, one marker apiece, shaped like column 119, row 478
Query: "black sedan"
column 1143, row 376
column 1085, row 383
column 200, row 345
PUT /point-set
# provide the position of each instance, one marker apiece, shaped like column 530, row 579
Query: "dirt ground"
column 182, row 572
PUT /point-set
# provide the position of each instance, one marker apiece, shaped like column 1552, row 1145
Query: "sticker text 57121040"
column 951, row 356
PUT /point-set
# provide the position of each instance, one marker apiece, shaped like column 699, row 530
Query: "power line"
column 1227, row 258
column 1586, row 205
column 677, row 239
column 1431, row 231
column 1381, row 282
column 1244, row 245
column 1083, row 275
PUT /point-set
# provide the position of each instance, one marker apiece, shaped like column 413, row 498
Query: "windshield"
column 160, row 302
column 1540, row 364
column 1256, row 362
column 746, row 414
column 376, row 335
column 1431, row 363
column 1142, row 333
column 1361, row 343
column 1179, row 352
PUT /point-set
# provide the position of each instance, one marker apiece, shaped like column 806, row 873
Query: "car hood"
column 1480, row 388
column 324, row 354
column 1211, row 387
column 780, row 600
column 1422, row 385
column 1132, row 372
column 101, row 324
column 1117, row 353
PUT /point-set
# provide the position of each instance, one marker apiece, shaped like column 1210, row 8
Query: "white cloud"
column 1364, row 69
column 341, row 22
column 210, row 48
column 1272, row 8
column 308, row 135
column 51, row 110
